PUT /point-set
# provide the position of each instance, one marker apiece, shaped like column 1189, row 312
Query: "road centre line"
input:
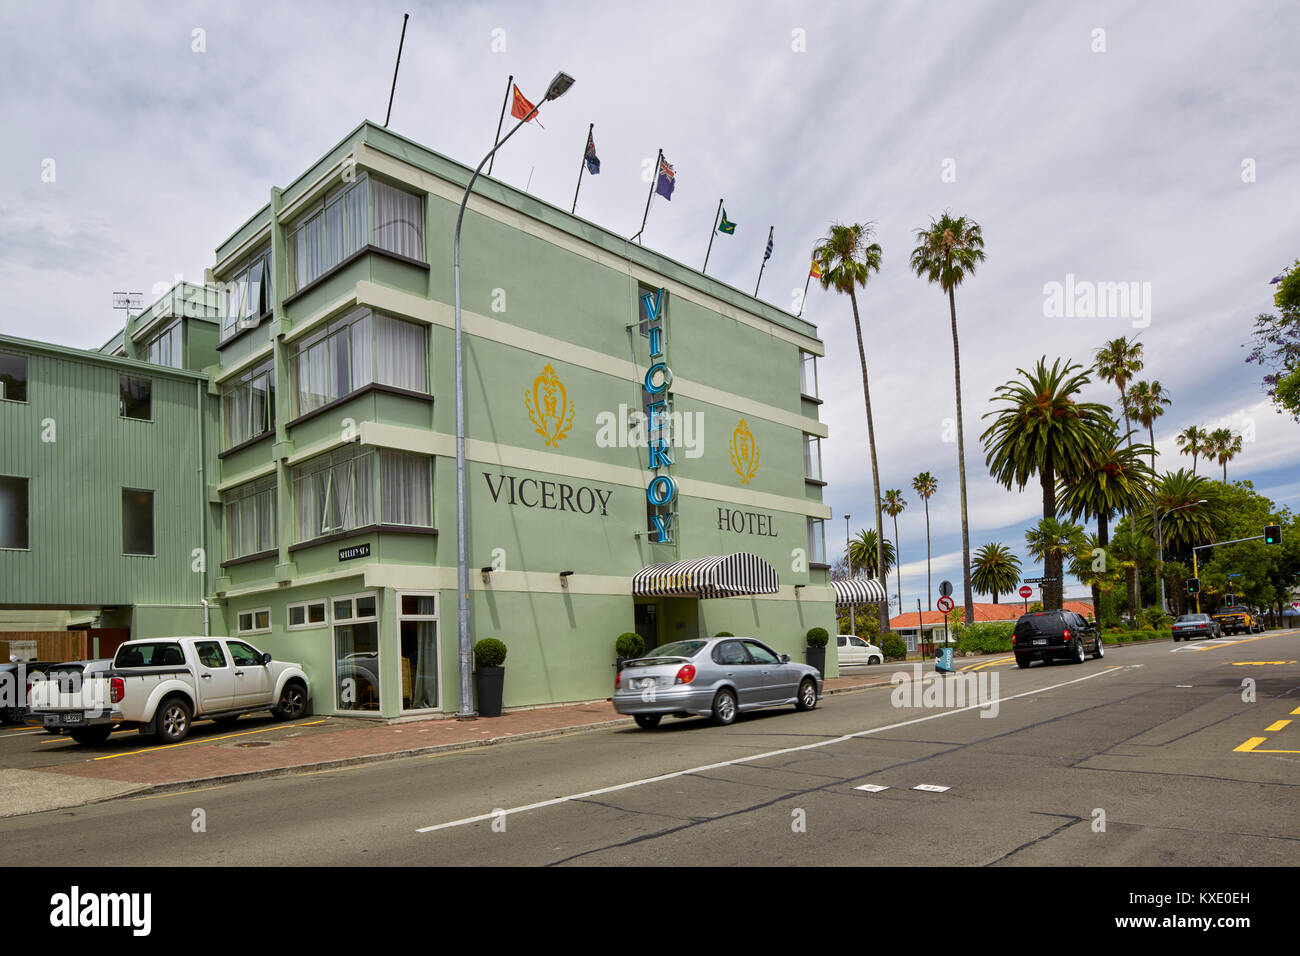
column 752, row 757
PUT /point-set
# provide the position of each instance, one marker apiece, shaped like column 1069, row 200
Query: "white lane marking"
column 21, row 733
column 871, row 787
column 931, row 788
column 499, row 813
column 1182, row 685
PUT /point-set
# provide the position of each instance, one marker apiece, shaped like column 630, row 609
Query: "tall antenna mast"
column 388, row 115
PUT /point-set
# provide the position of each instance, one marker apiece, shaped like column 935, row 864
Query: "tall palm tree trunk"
column 995, row 595
column 929, row 590
column 961, row 466
column 1155, row 521
column 882, row 610
column 1128, row 437
column 1052, row 562
column 898, row 566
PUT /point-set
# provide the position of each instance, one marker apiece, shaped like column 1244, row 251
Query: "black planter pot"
column 816, row 657
column 489, row 684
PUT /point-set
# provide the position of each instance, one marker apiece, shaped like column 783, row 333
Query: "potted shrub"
column 628, row 645
column 724, row 634
column 815, row 655
column 489, row 676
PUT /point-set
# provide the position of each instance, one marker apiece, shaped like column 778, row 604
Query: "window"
column 210, row 653
column 812, row 457
column 356, row 653
column 306, row 614
column 248, row 296
column 165, row 347
column 808, row 374
column 250, row 518
column 164, row 654
column 761, row 654
column 816, row 541
column 330, row 233
column 399, row 221
column 336, row 492
column 13, row 377
column 134, row 398
column 257, row 621
column 13, row 513
column 418, row 630
column 248, row 404
column 354, row 351
column 137, row 521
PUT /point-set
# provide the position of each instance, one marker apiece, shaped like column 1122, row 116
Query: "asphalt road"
column 1150, row 757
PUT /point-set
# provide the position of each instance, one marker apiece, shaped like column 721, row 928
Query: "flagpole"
column 770, row 229
column 581, row 166
column 654, row 181
column 396, row 66
column 711, row 234
column 496, row 141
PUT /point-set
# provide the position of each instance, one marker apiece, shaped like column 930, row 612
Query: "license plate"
column 644, row 682
column 1041, row 640
column 67, row 719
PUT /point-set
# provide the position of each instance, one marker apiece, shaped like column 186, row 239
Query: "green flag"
column 725, row 226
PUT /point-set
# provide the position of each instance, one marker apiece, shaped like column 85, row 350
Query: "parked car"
column 1236, row 619
column 15, row 684
column 160, row 686
column 1189, row 626
column 854, row 650
column 1053, row 635
column 719, row 677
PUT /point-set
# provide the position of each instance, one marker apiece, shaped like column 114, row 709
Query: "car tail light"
column 685, row 675
column 1067, row 634
column 116, row 690
column 1013, row 640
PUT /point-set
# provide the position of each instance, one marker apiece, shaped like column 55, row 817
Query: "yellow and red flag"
column 815, row 272
column 521, row 107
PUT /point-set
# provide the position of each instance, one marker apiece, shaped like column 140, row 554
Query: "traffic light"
column 1273, row 534
column 1193, row 585
column 1229, row 600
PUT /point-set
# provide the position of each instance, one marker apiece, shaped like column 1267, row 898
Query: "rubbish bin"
column 943, row 659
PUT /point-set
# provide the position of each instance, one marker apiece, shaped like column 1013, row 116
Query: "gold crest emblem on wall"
column 549, row 408
column 744, row 452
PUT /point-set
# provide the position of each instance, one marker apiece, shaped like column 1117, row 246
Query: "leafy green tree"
column 1192, row 440
column 1110, row 480
column 995, row 570
column 946, row 252
column 1134, row 552
column 1051, row 542
column 847, row 258
column 1184, row 522
column 1090, row 565
column 1224, row 446
column 893, row 505
column 1277, row 343
column 1043, row 429
column 1118, row 361
column 866, row 549
column 925, row 485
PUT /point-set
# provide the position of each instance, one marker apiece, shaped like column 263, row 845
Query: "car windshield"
column 1191, row 619
column 677, row 649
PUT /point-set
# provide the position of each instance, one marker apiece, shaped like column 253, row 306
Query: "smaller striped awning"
column 727, row 575
column 859, row 591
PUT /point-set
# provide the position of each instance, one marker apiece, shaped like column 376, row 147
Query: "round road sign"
column 944, row 604
column 945, row 588
column 1025, row 591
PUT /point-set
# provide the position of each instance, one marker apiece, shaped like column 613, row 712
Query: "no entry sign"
column 1025, row 591
column 944, row 604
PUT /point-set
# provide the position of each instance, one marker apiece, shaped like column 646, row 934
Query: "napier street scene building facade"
column 271, row 454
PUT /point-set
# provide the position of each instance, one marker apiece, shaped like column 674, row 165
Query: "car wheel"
column 1098, row 651
column 1079, row 655
column 293, row 702
column 92, row 736
column 173, row 720
column 724, row 707
column 807, row 698
column 873, row 660
column 1022, row 661
column 647, row 721
column 11, row 715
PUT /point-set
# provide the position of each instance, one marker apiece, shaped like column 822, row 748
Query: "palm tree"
column 995, row 570
column 1134, row 551
column 1112, row 480
column 1193, row 441
column 893, row 505
column 847, row 257
column 1043, row 430
column 1184, row 522
column 946, row 253
column 925, row 485
column 1118, row 361
column 866, row 550
column 1146, row 404
column 1097, row 574
column 1051, row 542
column 1224, row 446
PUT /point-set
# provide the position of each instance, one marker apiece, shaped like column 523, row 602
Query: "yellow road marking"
column 179, row 793
column 1249, row 745
column 1296, row 711
column 1276, row 725
column 1258, row 663
column 1276, row 751
column 1233, row 643
column 981, row 664
column 205, row 740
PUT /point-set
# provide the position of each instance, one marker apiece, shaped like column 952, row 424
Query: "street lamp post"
column 1160, row 547
column 847, row 542
column 558, row 87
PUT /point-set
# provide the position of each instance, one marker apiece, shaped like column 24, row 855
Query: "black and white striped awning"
column 722, row 576
column 859, row 591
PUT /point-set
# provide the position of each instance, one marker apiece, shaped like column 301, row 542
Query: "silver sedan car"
column 718, row 677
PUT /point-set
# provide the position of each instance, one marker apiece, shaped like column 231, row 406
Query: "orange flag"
column 521, row 107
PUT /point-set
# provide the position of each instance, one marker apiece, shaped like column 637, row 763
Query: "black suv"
column 1045, row 635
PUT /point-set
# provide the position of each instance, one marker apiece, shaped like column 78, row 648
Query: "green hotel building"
column 271, row 454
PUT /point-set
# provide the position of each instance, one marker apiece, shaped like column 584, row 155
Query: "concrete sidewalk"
column 240, row 755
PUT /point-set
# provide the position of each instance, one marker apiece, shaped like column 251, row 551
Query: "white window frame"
column 812, row 457
column 244, row 383
column 235, row 500
column 353, row 598
column 240, row 631
column 245, row 314
column 806, row 360
column 820, row 525
column 307, row 623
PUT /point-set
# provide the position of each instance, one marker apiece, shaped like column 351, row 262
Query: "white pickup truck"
column 161, row 686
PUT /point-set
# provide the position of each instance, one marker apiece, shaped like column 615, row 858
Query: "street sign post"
column 945, row 588
column 1025, row 591
column 944, row 604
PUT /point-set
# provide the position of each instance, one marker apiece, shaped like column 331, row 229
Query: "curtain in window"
column 312, row 376
column 424, row 646
column 333, row 234
column 399, row 353
column 250, row 520
column 253, row 300
column 405, row 491
column 265, row 504
column 362, row 363
column 354, row 204
column 310, row 253
column 257, row 407
column 399, row 224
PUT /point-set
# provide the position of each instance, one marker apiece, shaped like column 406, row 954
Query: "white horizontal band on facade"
column 371, row 157
column 244, row 477
column 244, row 364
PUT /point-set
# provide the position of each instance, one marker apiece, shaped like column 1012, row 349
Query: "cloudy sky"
column 1110, row 142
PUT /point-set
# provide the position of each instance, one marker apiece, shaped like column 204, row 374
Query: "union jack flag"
column 667, row 179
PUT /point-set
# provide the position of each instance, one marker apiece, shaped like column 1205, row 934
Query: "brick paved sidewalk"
column 241, row 754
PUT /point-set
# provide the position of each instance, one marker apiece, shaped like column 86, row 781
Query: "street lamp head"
column 559, row 86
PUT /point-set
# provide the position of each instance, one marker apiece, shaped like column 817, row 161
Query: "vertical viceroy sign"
column 662, row 490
